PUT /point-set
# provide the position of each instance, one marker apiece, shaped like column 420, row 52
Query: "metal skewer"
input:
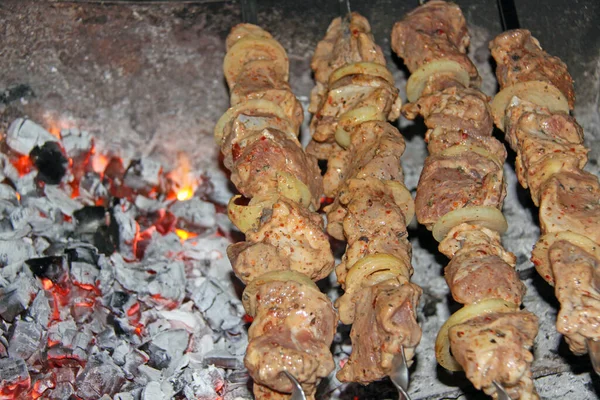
column 502, row 394
column 249, row 16
column 399, row 374
column 297, row 392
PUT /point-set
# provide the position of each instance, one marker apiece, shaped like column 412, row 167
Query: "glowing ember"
column 184, row 181
column 23, row 165
column 47, row 283
column 99, row 163
column 185, row 235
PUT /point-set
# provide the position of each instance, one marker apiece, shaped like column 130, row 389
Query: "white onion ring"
column 362, row 68
column 543, row 94
column 253, row 107
column 247, row 218
column 418, row 79
column 461, row 148
column 442, row 342
column 293, row 188
column 236, row 56
column 540, row 254
column 249, row 295
column 352, row 118
column 486, row 216
column 403, row 199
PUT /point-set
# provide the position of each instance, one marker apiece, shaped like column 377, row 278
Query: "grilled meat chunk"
column 374, row 152
column 437, row 30
column 289, row 237
column 520, row 58
column 476, row 273
column 545, row 143
column 350, row 93
column 570, row 201
column 451, row 182
column 575, row 273
column 292, row 330
column 385, row 320
column 496, row 347
column 339, row 48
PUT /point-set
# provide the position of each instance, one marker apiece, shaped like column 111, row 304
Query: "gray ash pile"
column 114, row 280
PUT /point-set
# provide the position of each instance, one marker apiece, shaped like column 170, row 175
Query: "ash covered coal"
column 112, row 283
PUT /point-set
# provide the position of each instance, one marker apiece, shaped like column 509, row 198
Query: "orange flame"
column 185, row 235
column 99, row 163
column 183, row 179
column 47, row 284
column 23, row 165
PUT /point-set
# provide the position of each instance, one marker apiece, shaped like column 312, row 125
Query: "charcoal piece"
column 50, row 161
column 43, row 384
column 98, row 226
column 15, row 298
column 61, row 200
column 143, row 175
column 82, row 252
column 152, row 391
column 25, row 340
column 162, row 282
column 8, row 193
column 63, row 333
column 54, row 268
column 16, row 92
column 14, row 376
column 223, row 360
column 174, row 341
column 39, row 310
column 201, row 383
column 120, row 353
column 101, row 376
column 124, row 396
column 15, row 251
column 159, row 358
column 23, row 135
column 84, row 274
column 195, row 213
column 76, row 143
column 133, row 360
column 62, row 390
column 91, row 187
column 107, row 340
column 220, row 310
column 117, row 302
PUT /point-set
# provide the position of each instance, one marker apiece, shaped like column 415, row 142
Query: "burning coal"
column 114, row 279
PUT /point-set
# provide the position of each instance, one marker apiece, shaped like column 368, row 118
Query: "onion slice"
column 459, row 149
column 417, row 81
column 486, row 216
column 292, row 188
column 364, row 272
column 541, row 93
column 242, row 30
column 363, row 68
column 249, row 295
column 247, row 217
column 252, row 107
column 403, row 199
column 368, row 271
column 350, row 119
column 442, row 342
column 540, row 256
column 250, row 48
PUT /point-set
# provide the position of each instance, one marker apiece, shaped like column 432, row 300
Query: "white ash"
column 23, row 135
column 144, row 328
column 76, row 142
